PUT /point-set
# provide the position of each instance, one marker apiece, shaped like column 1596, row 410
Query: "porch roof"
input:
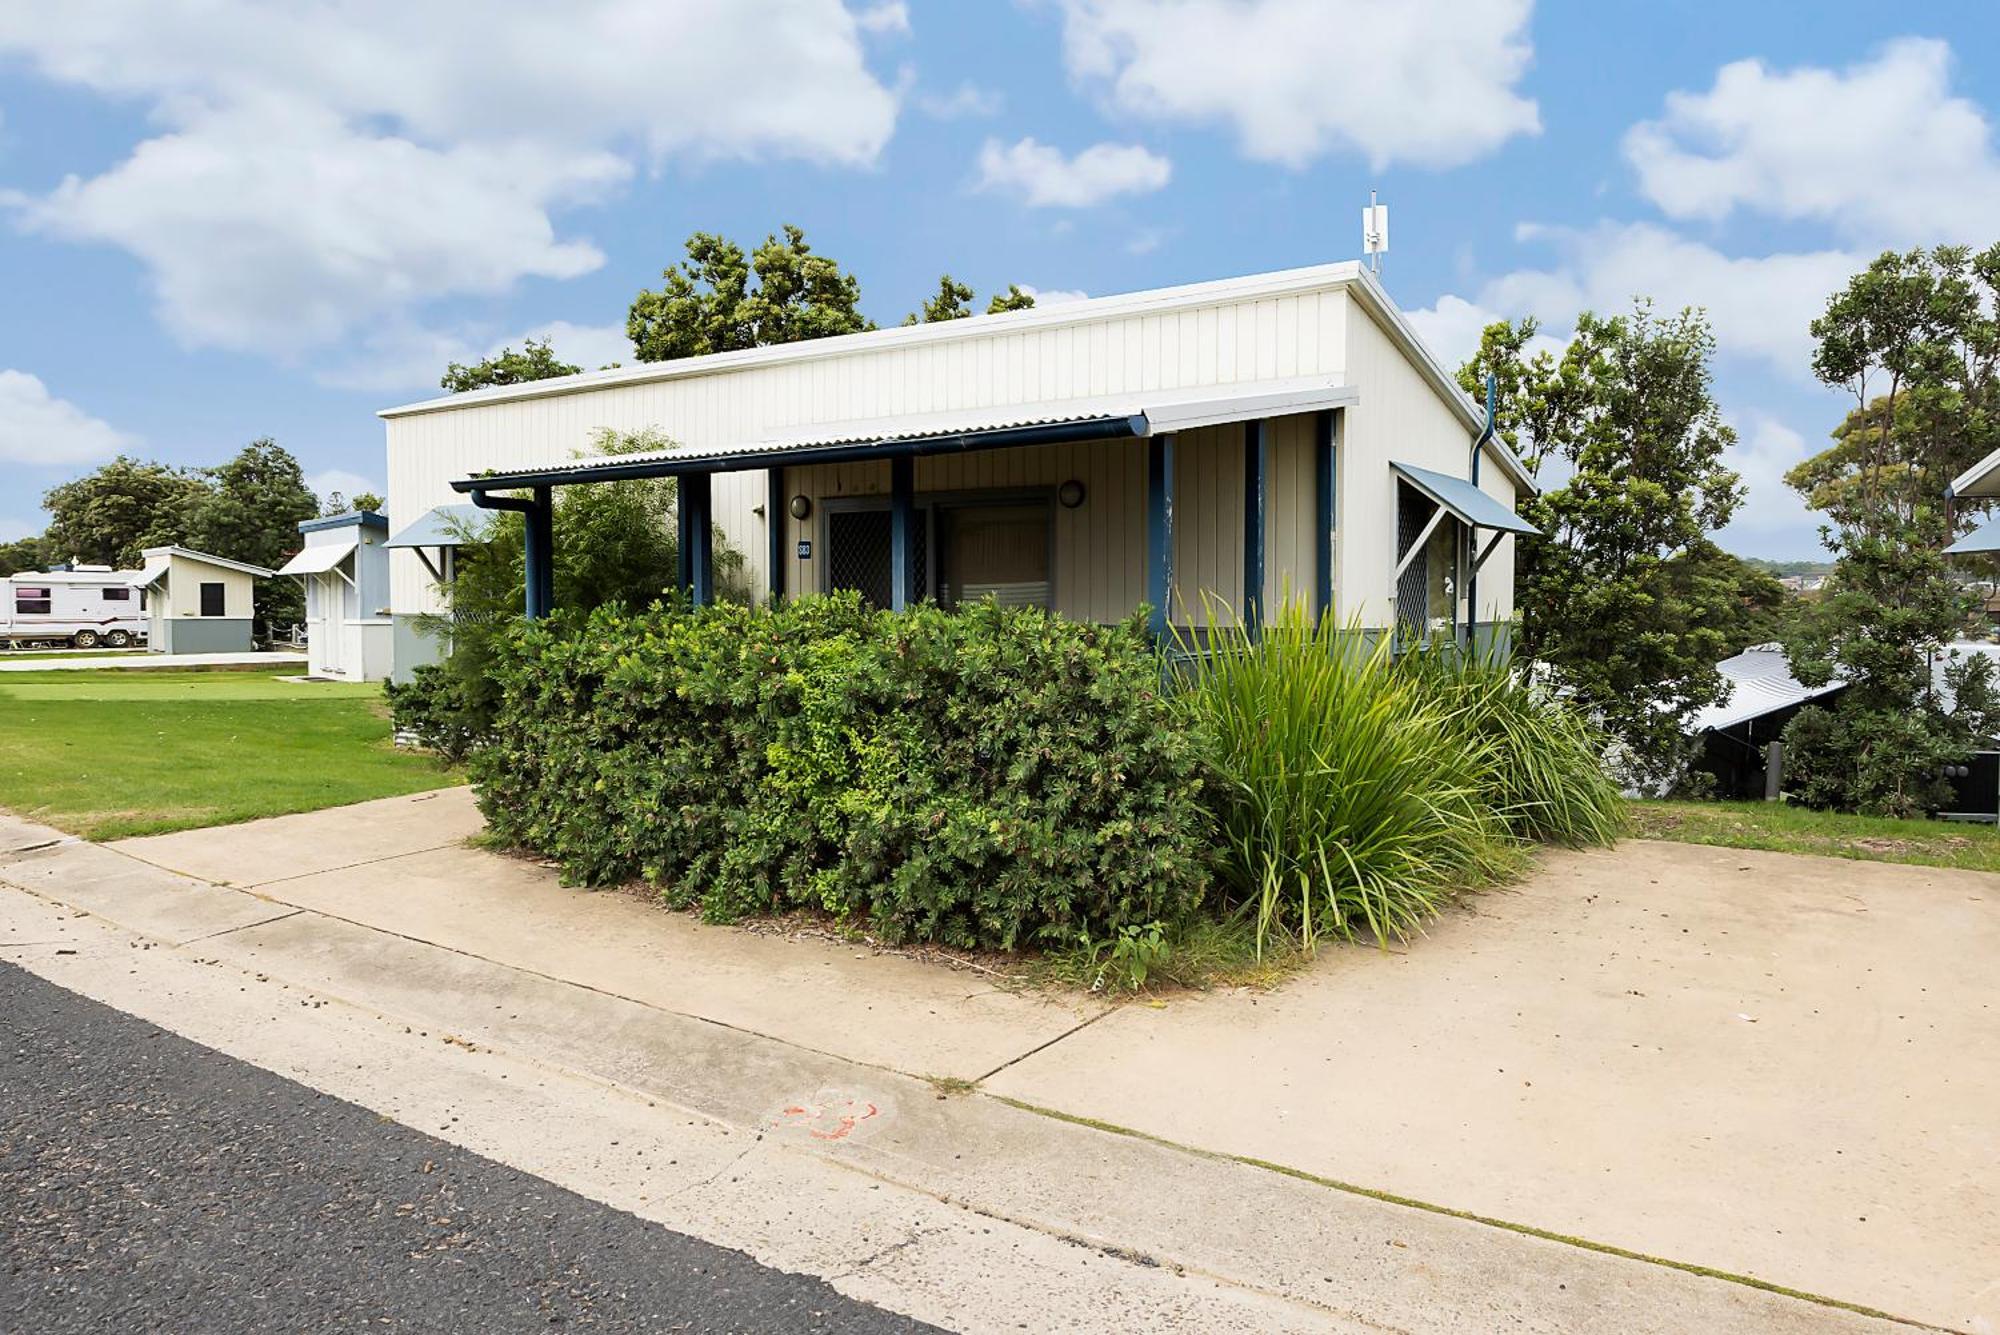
column 441, row 526
column 1104, row 417
column 1985, row 538
column 1473, row 507
column 317, row 560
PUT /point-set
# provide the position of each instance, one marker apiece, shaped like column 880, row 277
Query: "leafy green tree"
column 108, row 516
column 708, row 304
column 1915, row 338
column 952, row 302
column 535, row 361
column 1624, row 602
column 615, row 543
column 1013, row 299
column 338, row 504
column 28, row 553
column 250, row 510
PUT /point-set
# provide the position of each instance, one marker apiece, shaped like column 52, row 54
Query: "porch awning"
column 1983, row 539
column 1980, row 481
column 1101, row 417
column 317, row 560
column 444, row 526
column 149, row 574
column 1471, row 506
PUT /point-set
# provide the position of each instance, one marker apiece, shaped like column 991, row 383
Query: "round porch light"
column 801, row 507
column 1070, row 494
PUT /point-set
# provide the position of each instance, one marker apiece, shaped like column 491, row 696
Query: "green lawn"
column 1788, row 829
column 116, row 753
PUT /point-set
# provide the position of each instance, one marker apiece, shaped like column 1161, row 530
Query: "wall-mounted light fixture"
column 801, row 506
column 1070, row 494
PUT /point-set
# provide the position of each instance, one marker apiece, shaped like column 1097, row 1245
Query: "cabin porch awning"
column 1471, row 506
column 1985, row 538
column 149, row 574
column 442, row 526
column 319, row 559
column 1101, row 417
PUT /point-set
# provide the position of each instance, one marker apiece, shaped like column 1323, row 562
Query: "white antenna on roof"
column 1374, row 232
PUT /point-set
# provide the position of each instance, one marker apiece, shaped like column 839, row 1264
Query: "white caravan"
column 85, row 606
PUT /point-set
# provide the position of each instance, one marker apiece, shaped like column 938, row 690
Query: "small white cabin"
column 83, row 606
column 344, row 567
column 198, row 603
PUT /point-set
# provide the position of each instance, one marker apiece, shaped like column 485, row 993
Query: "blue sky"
column 231, row 219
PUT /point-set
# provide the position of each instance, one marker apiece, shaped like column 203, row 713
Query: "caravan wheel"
column 84, row 639
column 117, row 639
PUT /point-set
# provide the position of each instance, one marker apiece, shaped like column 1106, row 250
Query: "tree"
column 615, row 542
column 28, row 553
column 338, row 504
column 250, row 511
column 1013, row 299
column 707, row 304
column 1915, row 339
column 953, row 302
column 535, row 361
column 1625, row 603
column 108, row 516
column 950, row 303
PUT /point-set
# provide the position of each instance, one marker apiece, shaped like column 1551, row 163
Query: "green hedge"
column 990, row 777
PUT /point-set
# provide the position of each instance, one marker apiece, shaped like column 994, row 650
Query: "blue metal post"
column 1159, row 530
column 1325, row 459
column 777, row 524
column 697, row 555
column 902, row 522
column 1256, row 489
column 539, row 555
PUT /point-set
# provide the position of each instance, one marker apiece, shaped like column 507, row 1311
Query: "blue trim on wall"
column 775, row 514
column 351, row 518
column 1326, row 459
column 1159, row 530
column 1256, row 499
column 902, row 527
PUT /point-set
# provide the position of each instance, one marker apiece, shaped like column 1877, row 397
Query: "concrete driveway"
column 1776, row 1067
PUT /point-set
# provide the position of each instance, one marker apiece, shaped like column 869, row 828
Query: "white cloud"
column 889, row 16
column 330, row 168
column 401, row 356
column 1772, row 514
column 38, row 428
column 1761, row 307
column 1054, row 296
column 327, row 481
column 1428, row 82
column 966, row 100
column 1881, row 151
column 1044, row 178
column 591, row 346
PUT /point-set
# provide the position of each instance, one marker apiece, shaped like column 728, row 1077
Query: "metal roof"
column 1099, row 417
column 1473, row 507
column 1986, row 538
column 159, row 558
column 441, row 526
column 1761, row 683
column 319, row 559
column 1980, row 480
column 345, row 519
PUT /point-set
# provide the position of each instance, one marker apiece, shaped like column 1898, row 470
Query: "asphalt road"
column 151, row 1184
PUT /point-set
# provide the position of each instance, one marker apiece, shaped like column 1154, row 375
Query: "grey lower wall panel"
column 410, row 647
column 205, row 635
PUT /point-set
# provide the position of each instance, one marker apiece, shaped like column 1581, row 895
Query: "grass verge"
column 115, row 753
column 1788, row 829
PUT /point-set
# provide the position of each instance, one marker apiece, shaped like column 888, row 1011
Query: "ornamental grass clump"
column 1544, row 761
column 1346, row 796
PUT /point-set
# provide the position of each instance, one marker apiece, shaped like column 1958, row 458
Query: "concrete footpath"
column 139, row 661
column 799, row 1099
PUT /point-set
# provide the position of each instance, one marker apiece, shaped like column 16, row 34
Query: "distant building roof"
column 1762, row 683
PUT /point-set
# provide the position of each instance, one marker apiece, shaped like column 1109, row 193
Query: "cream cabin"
column 1222, row 445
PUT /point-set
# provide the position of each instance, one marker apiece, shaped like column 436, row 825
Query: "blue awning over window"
column 1983, row 539
column 446, row 526
column 1471, row 506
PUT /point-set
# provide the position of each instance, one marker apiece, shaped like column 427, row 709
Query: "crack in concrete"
column 261, row 922
column 1045, row 1045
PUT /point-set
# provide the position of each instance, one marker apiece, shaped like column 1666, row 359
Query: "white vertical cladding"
column 1226, row 341
column 1401, row 418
